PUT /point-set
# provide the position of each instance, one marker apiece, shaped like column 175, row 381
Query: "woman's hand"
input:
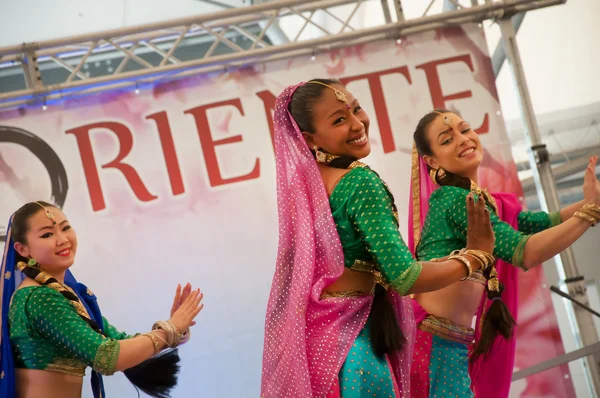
column 480, row 235
column 183, row 317
column 591, row 186
column 180, row 297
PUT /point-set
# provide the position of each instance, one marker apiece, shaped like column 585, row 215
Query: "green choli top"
column 47, row 334
column 445, row 227
column 362, row 210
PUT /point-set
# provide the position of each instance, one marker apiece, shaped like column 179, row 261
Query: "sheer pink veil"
column 491, row 375
column 307, row 339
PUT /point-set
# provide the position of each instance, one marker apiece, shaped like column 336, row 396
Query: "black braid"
column 386, row 335
column 33, row 273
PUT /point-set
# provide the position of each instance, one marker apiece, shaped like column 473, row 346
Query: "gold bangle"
column 155, row 342
column 466, row 262
column 585, row 217
column 589, row 212
column 485, row 258
column 173, row 334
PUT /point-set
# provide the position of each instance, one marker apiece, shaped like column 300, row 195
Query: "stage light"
column 399, row 41
column 137, row 89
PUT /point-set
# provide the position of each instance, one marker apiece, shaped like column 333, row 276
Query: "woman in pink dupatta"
column 337, row 324
column 449, row 152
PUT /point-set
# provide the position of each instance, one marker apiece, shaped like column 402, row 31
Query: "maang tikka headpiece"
column 447, row 120
column 49, row 213
column 339, row 94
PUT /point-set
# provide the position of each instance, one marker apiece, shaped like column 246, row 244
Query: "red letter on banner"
column 82, row 134
column 168, row 147
column 435, row 86
column 383, row 119
column 268, row 100
column 209, row 145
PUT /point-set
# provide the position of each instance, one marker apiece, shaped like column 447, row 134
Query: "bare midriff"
column 352, row 280
column 458, row 302
column 33, row 383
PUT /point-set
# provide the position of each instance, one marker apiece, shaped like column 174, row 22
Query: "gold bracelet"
column 589, row 212
column 585, row 217
column 173, row 334
column 485, row 258
column 154, row 341
column 466, row 262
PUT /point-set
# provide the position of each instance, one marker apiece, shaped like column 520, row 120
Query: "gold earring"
column 434, row 174
column 320, row 156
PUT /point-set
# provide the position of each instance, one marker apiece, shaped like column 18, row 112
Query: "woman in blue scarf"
column 52, row 328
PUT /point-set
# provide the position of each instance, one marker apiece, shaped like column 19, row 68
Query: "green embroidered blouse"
column 445, row 227
column 362, row 210
column 47, row 334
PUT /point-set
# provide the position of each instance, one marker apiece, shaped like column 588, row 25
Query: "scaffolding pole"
column 548, row 194
column 167, row 36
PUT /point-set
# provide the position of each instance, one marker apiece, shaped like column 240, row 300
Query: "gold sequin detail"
column 447, row 329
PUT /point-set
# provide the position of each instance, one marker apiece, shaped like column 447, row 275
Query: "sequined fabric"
column 307, row 339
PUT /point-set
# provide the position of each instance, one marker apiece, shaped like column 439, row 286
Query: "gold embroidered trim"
column 364, row 266
column 43, row 277
column 416, row 195
column 517, row 258
column 344, row 293
column 447, row 329
column 69, row 366
column 105, row 361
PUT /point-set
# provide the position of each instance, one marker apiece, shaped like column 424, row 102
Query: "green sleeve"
column 57, row 321
column 510, row 243
column 370, row 210
column 113, row 333
column 532, row 222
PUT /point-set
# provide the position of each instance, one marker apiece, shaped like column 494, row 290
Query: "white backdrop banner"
column 178, row 185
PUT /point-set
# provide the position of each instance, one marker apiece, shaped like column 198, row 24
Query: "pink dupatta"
column 307, row 339
column 491, row 375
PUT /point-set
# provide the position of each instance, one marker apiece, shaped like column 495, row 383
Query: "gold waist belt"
column 448, row 330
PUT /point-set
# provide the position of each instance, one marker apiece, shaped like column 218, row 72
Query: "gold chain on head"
column 339, row 94
column 447, row 120
column 49, row 213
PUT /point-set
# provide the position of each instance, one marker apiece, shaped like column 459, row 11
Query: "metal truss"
column 153, row 52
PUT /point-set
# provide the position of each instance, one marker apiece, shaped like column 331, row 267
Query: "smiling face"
column 339, row 128
column 454, row 146
column 52, row 243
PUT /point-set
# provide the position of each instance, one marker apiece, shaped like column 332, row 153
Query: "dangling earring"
column 32, row 263
column 323, row 157
column 320, row 156
column 437, row 173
